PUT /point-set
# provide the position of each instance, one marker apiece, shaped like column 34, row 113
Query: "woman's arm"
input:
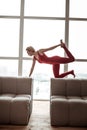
column 48, row 49
column 32, row 67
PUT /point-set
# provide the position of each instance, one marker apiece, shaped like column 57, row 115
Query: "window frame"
column 20, row 58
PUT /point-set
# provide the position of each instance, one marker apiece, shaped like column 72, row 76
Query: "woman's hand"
column 29, row 75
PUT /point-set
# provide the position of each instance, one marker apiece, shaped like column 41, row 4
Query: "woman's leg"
column 61, row 60
column 56, row 69
column 69, row 54
column 66, row 73
column 70, row 57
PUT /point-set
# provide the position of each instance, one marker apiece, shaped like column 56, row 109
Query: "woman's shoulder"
column 40, row 52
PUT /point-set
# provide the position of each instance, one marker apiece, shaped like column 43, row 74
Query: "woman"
column 41, row 57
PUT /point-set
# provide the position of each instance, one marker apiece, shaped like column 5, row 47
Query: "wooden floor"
column 39, row 120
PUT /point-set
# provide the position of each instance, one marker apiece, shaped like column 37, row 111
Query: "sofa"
column 68, row 102
column 15, row 100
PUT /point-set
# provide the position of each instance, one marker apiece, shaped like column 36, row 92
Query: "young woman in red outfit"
column 41, row 57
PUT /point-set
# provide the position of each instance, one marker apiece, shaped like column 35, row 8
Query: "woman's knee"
column 73, row 59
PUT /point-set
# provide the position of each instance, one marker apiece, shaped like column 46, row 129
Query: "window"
column 8, row 67
column 77, row 38
column 10, row 7
column 78, row 8
column 80, row 69
column 46, row 8
column 42, row 33
column 9, row 37
column 41, row 23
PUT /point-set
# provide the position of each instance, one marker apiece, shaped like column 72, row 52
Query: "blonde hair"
column 30, row 48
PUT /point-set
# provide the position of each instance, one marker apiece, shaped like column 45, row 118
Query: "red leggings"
column 62, row 60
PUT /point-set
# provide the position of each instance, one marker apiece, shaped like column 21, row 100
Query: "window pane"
column 51, row 8
column 78, row 39
column 41, row 89
column 9, row 37
column 8, row 68
column 81, row 71
column 27, row 65
column 41, row 33
column 41, row 86
column 9, row 7
column 78, row 8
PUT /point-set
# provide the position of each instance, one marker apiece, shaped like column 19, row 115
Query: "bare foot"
column 73, row 73
column 62, row 44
